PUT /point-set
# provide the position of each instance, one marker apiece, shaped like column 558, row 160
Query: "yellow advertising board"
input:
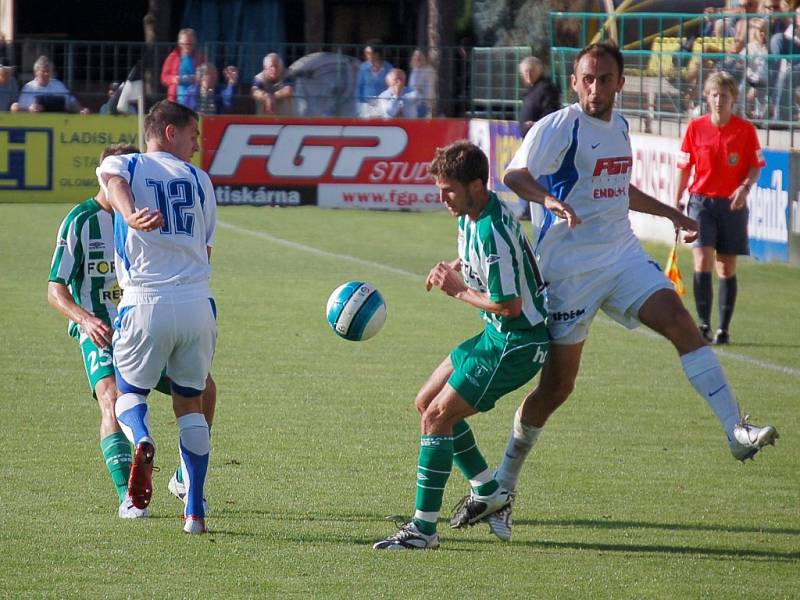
column 52, row 157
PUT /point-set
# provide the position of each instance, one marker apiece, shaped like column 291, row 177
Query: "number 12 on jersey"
column 175, row 201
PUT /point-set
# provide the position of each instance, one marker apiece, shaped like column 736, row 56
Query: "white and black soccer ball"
column 356, row 311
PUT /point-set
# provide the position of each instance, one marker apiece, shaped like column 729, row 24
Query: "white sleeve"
column 545, row 144
column 113, row 165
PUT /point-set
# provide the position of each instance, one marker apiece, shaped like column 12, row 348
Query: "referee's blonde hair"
column 721, row 80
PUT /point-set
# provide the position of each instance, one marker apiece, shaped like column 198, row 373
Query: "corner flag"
column 672, row 271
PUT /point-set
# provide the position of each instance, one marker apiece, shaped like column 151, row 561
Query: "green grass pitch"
column 630, row 493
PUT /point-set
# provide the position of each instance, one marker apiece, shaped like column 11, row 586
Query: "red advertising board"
column 338, row 163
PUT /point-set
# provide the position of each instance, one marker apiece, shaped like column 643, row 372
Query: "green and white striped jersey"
column 496, row 258
column 84, row 261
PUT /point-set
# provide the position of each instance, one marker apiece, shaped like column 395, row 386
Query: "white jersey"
column 587, row 163
column 173, row 258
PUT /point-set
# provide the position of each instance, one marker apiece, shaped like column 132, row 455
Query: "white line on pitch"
column 720, row 352
column 318, row 252
column 369, row 263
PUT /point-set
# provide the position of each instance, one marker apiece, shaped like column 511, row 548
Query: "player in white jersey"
column 83, row 287
column 165, row 217
column 591, row 260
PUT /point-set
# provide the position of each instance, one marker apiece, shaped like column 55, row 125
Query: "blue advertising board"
column 768, row 224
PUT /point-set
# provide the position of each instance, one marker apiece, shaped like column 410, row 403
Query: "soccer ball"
column 356, row 311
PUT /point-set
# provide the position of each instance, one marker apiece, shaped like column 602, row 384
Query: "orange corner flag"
column 672, row 271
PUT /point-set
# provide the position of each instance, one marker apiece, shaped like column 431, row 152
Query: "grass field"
column 631, row 492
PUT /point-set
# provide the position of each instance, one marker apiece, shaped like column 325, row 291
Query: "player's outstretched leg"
column 195, row 449
column 664, row 312
column 486, row 498
column 134, row 420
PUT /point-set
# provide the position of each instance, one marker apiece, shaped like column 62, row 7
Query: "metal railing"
column 88, row 67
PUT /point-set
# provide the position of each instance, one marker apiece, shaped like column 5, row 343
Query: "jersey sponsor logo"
column 595, row 145
column 565, row 316
column 733, row 159
column 307, row 151
column 613, row 166
column 113, row 294
column 609, row 192
column 100, row 267
column 492, row 259
column 540, row 356
column 97, row 245
column 26, row 158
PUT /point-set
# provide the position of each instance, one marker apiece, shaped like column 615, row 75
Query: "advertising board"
column 335, row 163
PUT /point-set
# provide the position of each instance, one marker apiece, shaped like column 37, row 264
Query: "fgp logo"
column 26, row 159
column 613, row 166
column 307, row 151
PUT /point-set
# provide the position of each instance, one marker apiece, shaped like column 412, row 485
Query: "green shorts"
column 99, row 364
column 492, row 364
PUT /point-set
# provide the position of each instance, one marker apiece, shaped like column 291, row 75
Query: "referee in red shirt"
column 727, row 159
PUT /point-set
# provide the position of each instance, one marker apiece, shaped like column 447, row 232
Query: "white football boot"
column 128, row 511
column 178, row 489
column 472, row 509
column 408, row 538
column 749, row 439
column 195, row 525
column 500, row 522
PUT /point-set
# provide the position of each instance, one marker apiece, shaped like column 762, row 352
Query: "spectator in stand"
column 787, row 46
column 108, row 106
column 541, row 97
column 753, row 89
column 45, row 93
column 207, row 96
column 398, row 101
column 422, row 79
column 775, row 24
column 272, row 90
column 8, row 86
column 726, row 156
column 371, row 80
column 178, row 71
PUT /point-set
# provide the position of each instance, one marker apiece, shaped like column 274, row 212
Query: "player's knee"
column 434, row 419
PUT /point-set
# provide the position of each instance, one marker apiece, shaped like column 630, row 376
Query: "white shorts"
column 181, row 336
column 620, row 291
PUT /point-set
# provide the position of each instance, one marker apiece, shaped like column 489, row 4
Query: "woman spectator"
column 422, row 80
column 756, row 56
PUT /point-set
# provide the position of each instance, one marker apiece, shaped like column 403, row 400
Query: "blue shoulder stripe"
column 562, row 181
column 199, row 187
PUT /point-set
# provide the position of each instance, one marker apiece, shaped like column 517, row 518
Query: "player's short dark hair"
column 462, row 161
column 166, row 113
column 605, row 48
column 117, row 149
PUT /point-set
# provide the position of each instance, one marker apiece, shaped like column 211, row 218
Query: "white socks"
column 704, row 372
column 522, row 439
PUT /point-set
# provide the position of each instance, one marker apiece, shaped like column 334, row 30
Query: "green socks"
column 470, row 461
column 117, row 454
column 433, row 469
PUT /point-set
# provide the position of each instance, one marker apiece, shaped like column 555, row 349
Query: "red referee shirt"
column 721, row 156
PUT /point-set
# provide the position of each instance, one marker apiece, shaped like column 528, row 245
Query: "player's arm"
column 739, row 196
column 683, row 183
column 59, row 298
column 121, row 198
column 447, row 279
column 522, row 183
column 645, row 203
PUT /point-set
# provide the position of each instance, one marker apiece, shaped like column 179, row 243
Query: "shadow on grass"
column 659, row 549
column 614, row 524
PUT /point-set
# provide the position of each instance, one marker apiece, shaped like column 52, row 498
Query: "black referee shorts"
column 721, row 228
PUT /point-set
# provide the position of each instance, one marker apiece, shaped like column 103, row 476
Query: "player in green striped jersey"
column 496, row 273
column 83, row 287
